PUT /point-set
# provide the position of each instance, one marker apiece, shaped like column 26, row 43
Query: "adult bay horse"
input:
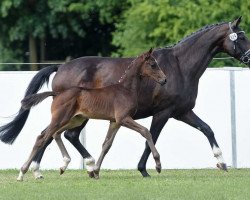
column 117, row 103
column 185, row 63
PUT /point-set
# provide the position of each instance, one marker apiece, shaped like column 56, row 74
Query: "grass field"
column 128, row 184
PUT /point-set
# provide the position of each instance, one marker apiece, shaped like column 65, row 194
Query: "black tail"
column 10, row 131
column 35, row 99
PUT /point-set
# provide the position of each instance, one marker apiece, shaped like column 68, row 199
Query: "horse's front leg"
column 193, row 120
column 131, row 124
column 158, row 122
column 113, row 128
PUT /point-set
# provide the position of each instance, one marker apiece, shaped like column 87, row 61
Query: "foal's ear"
column 236, row 22
column 148, row 54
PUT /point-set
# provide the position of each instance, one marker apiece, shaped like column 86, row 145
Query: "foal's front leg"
column 130, row 123
column 113, row 128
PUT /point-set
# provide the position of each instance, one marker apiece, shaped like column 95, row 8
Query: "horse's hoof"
column 158, row 168
column 61, row 171
column 145, row 174
column 91, row 174
column 222, row 166
column 96, row 174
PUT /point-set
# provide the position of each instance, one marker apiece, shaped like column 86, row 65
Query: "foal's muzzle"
column 163, row 81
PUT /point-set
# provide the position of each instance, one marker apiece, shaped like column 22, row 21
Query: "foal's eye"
column 153, row 65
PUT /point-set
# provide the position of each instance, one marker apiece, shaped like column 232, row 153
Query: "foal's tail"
column 10, row 131
column 35, row 99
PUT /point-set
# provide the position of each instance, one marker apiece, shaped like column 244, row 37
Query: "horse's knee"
column 71, row 136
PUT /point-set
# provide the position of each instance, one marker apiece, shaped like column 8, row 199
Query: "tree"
column 63, row 27
column 161, row 22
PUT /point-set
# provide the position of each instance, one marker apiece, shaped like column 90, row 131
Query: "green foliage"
column 162, row 22
column 105, row 27
column 65, row 20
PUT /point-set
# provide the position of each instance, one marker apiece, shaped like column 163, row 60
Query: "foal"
column 116, row 103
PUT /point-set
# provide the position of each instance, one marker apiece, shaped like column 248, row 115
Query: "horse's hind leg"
column 72, row 135
column 113, row 128
column 130, row 123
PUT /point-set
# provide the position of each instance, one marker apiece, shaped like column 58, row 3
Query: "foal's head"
column 235, row 42
column 150, row 67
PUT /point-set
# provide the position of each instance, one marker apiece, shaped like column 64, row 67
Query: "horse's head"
column 150, row 68
column 235, row 42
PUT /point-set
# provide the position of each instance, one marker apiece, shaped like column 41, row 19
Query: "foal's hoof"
column 19, row 179
column 158, row 168
column 39, row 177
column 91, row 174
column 222, row 166
column 61, row 170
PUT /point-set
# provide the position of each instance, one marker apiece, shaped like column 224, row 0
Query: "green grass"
column 128, row 184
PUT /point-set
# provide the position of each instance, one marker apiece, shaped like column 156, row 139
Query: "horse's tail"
column 10, row 131
column 35, row 99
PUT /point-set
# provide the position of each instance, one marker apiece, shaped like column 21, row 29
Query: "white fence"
column 222, row 92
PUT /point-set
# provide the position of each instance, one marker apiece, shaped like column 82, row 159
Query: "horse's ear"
column 150, row 50
column 236, row 22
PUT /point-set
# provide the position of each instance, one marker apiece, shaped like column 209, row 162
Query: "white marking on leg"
column 20, row 176
column 66, row 162
column 36, row 170
column 89, row 163
column 218, row 154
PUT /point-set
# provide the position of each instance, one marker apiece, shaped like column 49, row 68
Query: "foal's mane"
column 195, row 34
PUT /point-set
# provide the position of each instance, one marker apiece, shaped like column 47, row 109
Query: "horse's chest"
column 177, row 100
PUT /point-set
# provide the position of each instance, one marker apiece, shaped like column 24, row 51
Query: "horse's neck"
column 194, row 55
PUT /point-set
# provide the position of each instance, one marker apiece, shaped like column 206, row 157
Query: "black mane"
column 194, row 34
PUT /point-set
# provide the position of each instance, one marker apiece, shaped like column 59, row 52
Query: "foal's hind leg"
column 65, row 154
column 40, row 142
column 130, row 123
column 37, row 159
column 113, row 128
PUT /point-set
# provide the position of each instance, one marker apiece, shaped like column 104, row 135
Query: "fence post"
column 233, row 119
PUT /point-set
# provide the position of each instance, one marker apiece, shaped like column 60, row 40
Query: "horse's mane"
column 194, row 34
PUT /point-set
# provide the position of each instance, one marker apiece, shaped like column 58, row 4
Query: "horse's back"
column 89, row 72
